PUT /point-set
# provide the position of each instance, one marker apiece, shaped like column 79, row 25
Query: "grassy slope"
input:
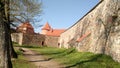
column 73, row 59
column 21, row 61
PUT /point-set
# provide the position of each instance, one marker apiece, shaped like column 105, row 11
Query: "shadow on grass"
column 94, row 58
column 64, row 53
column 31, row 54
column 42, row 60
column 25, row 46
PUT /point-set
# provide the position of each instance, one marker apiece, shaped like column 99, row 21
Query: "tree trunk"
column 5, row 59
column 13, row 54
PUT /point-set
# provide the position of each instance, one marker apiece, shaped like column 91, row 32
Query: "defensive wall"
column 98, row 31
column 34, row 39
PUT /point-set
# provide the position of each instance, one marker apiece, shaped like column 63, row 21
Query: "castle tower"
column 25, row 27
column 46, row 28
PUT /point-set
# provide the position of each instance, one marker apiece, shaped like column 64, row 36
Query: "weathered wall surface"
column 28, row 39
column 17, row 37
column 103, row 22
column 40, row 40
column 51, row 41
column 33, row 39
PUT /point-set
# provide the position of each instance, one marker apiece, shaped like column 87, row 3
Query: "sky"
column 61, row 14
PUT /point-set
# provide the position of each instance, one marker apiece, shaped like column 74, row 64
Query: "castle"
column 26, row 35
column 25, row 27
column 47, row 30
column 98, row 31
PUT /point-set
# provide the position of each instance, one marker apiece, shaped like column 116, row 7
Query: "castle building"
column 26, row 36
column 98, row 32
column 49, row 31
column 25, row 27
column 51, row 35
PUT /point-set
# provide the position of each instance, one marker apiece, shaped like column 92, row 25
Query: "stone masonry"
column 35, row 39
column 17, row 37
column 28, row 39
column 98, row 31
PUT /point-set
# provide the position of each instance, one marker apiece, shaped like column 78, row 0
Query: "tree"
column 22, row 11
column 5, row 39
column 5, row 60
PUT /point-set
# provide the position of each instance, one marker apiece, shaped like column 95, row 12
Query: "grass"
column 73, row 59
column 21, row 61
column 25, row 46
column 48, row 50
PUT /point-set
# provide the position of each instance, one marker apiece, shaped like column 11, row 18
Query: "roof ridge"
column 46, row 27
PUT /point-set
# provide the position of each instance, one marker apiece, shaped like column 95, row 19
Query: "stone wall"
column 17, row 37
column 33, row 39
column 103, row 23
column 28, row 39
column 51, row 41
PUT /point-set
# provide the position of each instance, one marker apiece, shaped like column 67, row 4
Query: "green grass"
column 73, row 59
column 21, row 61
column 48, row 50
column 25, row 46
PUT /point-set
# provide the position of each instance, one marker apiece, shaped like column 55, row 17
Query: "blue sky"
column 62, row 14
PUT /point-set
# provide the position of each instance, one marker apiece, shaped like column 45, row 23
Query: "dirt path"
column 39, row 60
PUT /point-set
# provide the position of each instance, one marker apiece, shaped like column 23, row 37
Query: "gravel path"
column 39, row 60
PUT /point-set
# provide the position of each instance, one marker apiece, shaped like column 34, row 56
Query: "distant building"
column 51, row 35
column 49, row 31
column 25, row 27
column 48, row 37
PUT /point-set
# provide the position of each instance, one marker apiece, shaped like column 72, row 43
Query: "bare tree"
column 25, row 10
column 22, row 11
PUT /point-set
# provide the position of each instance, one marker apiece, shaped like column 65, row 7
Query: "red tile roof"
column 46, row 27
column 52, row 32
column 55, row 32
column 83, row 37
column 25, row 27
